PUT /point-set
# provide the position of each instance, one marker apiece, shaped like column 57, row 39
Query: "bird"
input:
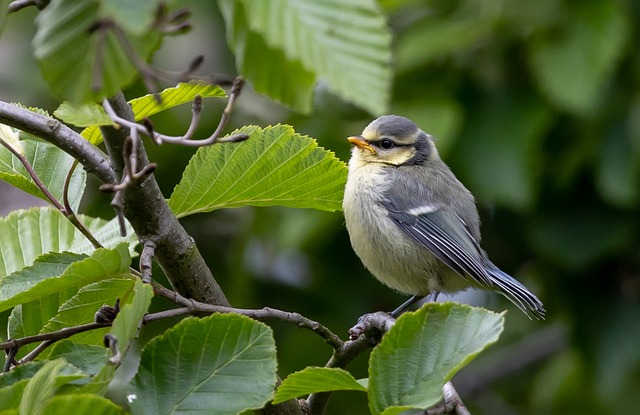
column 413, row 224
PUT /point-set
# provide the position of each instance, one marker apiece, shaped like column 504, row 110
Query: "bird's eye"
column 386, row 144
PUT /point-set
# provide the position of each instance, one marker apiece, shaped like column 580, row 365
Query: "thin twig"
column 16, row 5
column 64, row 209
column 146, row 127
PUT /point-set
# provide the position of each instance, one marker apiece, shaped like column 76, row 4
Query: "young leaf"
column 72, row 57
column 50, row 164
column 125, row 326
column 27, row 234
column 316, row 379
column 346, row 43
column 221, row 364
column 275, row 166
column 103, row 263
column 148, row 105
column 423, row 351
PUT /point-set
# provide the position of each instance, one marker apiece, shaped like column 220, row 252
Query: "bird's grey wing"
column 444, row 234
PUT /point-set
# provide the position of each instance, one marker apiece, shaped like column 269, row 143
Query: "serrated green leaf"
column 286, row 81
column 221, row 364
column 21, row 372
column 30, row 233
column 274, row 167
column 70, row 54
column 316, row 379
column 423, row 351
column 148, row 105
column 81, row 308
column 50, row 164
column 102, row 264
column 346, row 43
column 81, row 404
column 572, row 63
column 43, row 385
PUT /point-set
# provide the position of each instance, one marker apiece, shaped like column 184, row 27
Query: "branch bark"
column 151, row 219
column 92, row 159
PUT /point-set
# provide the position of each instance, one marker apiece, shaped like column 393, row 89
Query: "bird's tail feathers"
column 517, row 293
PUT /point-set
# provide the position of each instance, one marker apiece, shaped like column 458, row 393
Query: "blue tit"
column 413, row 224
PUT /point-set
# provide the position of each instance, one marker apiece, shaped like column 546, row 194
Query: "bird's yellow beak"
column 361, row 143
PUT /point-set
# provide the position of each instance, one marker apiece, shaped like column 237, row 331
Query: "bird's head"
column 392, row 140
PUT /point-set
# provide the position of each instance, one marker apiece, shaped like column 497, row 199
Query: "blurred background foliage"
column 536, row 107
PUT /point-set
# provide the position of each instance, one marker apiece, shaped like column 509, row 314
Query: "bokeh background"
column 536, row 107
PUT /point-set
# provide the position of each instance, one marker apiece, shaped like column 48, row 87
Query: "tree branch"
column 147, row 211
column 92, row 159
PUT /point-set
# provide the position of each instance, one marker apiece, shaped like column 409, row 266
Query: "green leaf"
column 19, row 373
column 316, row 379
column 30, row 233
column 70, row 54
column 103, row 263
column 573, row 63
column 81, row 404
column 148, row 105
column 88, row 358
column 4, row 8
column 345, row 43
column 221, row 364
column 286, row 81
column 125, row 326
column 50, row 164
column 81, row 308
column 275, row 166
column 82, row 115
column 423, row 351
column 44, row 384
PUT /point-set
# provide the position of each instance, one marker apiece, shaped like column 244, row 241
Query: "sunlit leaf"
column 22, row 287
column 423, row 350
column 222, row 364
column 275, row 166
column 30, row 233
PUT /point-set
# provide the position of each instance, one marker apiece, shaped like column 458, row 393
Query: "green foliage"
column 275, row 166
column 75, row 56
column 222, row 363
column 407, row 370
column 142, row 107
column 51, row 165
column 346, row 43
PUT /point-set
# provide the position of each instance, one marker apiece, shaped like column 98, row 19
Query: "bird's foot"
column 372, row 326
